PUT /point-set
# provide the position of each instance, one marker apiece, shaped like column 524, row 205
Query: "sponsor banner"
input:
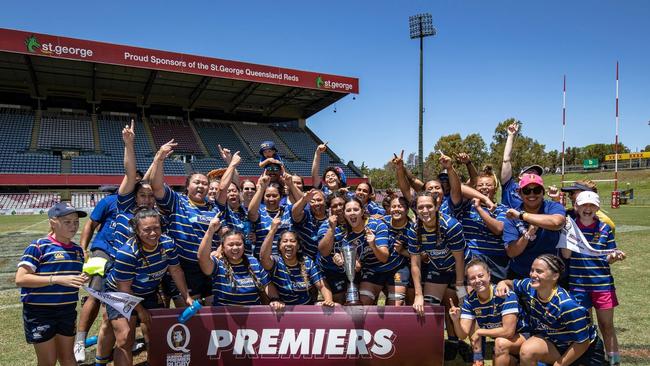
column 573, row 239
column 255, row 335
column 76, row 49
column 628, row 156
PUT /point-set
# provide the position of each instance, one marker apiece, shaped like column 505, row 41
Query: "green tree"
column 525, row 150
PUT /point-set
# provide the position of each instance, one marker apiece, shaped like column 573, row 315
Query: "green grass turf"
column 632, row 317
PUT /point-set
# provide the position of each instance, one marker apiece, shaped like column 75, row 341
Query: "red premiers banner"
column 90, row 51
column 340, row 336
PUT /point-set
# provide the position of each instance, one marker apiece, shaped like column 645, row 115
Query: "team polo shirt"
column 307, row 230
column 293, row 287
column 326, row 262
column 188, row 222
column 489, row 314
column 439, row 244
column 479, row 239
column 105, row 214
column 240, row 287
column 509, row 194
column 560, row 320
column 46, row 257
column 404, row 235
column 544, row 243
column 145, row 268
column 262, row 226
column 365, row 255
column 592, row 273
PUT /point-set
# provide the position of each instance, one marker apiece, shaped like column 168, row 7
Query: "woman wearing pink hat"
column 533, row 227
column 590, row 279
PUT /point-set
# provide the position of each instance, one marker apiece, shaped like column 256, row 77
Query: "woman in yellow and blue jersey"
column 49, row 276
column 330, row 240
column 401, row 235
column 265, row 205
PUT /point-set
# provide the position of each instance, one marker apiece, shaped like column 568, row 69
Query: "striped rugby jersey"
column 405, row 235
column 560, row 320
column 188, row 222
column 242, row 290
column 439, row 249
column 478, row 237
column 326, row 262
column 489, row 314
column 263, row 224
column 590, row 273
column 145, row 268
column 307, row 230
column 290, row 282
column 47, row 256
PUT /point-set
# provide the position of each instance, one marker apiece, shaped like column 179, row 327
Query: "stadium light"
column 420, row 26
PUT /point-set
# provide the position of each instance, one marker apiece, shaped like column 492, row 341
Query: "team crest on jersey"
column 59, row 255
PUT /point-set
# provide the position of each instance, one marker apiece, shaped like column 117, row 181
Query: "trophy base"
column 353, row 303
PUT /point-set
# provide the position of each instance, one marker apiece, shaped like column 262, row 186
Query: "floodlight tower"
column 420, row 26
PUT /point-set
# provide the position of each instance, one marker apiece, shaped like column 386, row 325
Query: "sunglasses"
column 536, row 190
column 248, row 189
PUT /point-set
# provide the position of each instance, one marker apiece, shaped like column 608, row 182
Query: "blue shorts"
column 197, row 282
column 338, row 282
column 439, row 277
column 43, row 322
column 399, row 276
column 150, row 302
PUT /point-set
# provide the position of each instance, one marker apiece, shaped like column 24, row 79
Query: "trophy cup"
column 349, row 253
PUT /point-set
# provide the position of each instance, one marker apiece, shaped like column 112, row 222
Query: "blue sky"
column 489, row 61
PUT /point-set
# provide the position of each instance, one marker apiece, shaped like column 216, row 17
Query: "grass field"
column 632, row 233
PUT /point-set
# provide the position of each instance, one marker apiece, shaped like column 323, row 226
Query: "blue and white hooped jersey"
column 307, row 230
column 237, row 286
column 440, row 243
column 292, row 286
column 592, row 273
column 489, row 314
column 263, row 225
column 479, row 239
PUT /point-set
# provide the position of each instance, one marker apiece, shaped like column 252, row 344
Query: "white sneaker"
column 80, row 351
column 137, row 346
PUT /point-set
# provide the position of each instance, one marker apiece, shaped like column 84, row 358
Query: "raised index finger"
column 132, row 124
column 401, row 155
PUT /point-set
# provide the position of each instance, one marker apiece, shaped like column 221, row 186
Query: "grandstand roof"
column 43, row 66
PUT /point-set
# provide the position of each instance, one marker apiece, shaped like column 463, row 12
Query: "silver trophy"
column 349, row 253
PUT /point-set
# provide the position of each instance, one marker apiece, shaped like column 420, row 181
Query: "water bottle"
column 189, row 312
column 91, row 341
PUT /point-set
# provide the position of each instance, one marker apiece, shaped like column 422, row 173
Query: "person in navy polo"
column 49, row 276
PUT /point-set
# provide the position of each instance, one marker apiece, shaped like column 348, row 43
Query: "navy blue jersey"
column 479, row 239
column 47, row 257
column 489, row 314
column 559, row 320
column 307, row 230
column 592, row 273
column 188, row 222
column 374, row 208
column 544, row 243
column 238, row 284
column 263, row 224
column 440, row 243
column 237, row 219
column 294, row 282
column 145, row 268
column 364, row 252
column 326, row 262
column 405, row 235
column 105, row 214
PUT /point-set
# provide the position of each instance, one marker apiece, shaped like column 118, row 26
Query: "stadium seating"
column 28, row 200
column 85, row 199
column 213, row 134
column 110, row 136
column 164, row 130
column 66, row 132
column 255, row 134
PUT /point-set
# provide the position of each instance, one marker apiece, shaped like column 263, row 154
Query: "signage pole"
column 563, row 124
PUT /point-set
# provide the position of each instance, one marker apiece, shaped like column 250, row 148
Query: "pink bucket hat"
column 527, row 179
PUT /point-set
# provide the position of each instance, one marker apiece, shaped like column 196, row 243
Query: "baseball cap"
column 588, row 197
column 537, row 168
column 62, row 209
column 527, row 179
column 267, row 145
column 443, row 176
column 577, row 187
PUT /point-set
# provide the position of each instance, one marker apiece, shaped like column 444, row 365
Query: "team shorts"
column 594, row 356
column 439, row 277
column 43, row 322
column 338, row 282
column 197, row 282
column 400, row 276
column 600, row 300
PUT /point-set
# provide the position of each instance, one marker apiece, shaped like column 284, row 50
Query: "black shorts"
column 595, row 354
column 400, row 276
column 338, row 282
column 42, row 322
column 439, row 277
column 197, row 282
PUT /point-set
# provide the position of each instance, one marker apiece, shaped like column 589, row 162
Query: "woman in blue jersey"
column 49, row 276
column 365, row 193
column 293, row 273
column 483, row 227
column 496, row 317
column 440, row 237
column 590, row 279
column 139, row 267
column 562, row 332
column 260, row 215
column 307, row 220
column 237, row 279
column 329, row 256
column 401, row 235
column 189, row 216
